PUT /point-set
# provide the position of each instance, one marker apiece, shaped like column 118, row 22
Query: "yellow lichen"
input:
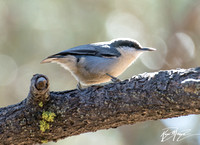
column 48, row 116
column 44, row 141
column 44, row 125
column 41, row 104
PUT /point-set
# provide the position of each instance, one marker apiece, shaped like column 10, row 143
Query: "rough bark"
column 49, row 116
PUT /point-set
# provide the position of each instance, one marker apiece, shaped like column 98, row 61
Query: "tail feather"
column 52, row 58
column 48, row 60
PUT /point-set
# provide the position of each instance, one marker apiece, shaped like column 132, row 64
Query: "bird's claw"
column 114, row 79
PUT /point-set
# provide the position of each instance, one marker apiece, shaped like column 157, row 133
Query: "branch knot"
column 39, row 90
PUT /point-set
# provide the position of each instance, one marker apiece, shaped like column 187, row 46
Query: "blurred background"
column 31, row 30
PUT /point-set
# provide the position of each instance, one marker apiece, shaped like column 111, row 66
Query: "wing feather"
column 90, row 50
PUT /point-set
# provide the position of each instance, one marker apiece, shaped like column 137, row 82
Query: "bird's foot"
column 79, row 86
column 114, row 79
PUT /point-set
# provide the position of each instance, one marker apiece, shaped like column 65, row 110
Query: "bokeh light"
column 120, row 24
column 156, row 59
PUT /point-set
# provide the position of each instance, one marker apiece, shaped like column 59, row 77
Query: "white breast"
column 125, row 60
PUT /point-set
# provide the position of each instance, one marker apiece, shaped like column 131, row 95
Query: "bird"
column 99, row 62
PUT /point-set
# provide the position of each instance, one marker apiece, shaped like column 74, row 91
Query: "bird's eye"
column 134, row 45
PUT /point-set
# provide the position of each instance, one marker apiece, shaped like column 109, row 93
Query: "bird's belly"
column 97, row 80
column 90, row 78
column 95, row 72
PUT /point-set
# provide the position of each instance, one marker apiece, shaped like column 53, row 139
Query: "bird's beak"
column 148, row 49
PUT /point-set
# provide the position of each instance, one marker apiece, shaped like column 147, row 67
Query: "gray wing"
column 99, row 50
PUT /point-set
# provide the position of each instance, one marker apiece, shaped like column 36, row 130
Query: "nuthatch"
column 99, row 62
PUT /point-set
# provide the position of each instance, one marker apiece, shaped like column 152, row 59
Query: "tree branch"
column 48, row 116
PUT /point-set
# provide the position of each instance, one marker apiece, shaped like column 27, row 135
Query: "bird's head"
column 129, row 45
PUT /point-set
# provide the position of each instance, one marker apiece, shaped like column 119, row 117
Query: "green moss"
column 43, row 125
column 41, row 104
column 48, row 116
